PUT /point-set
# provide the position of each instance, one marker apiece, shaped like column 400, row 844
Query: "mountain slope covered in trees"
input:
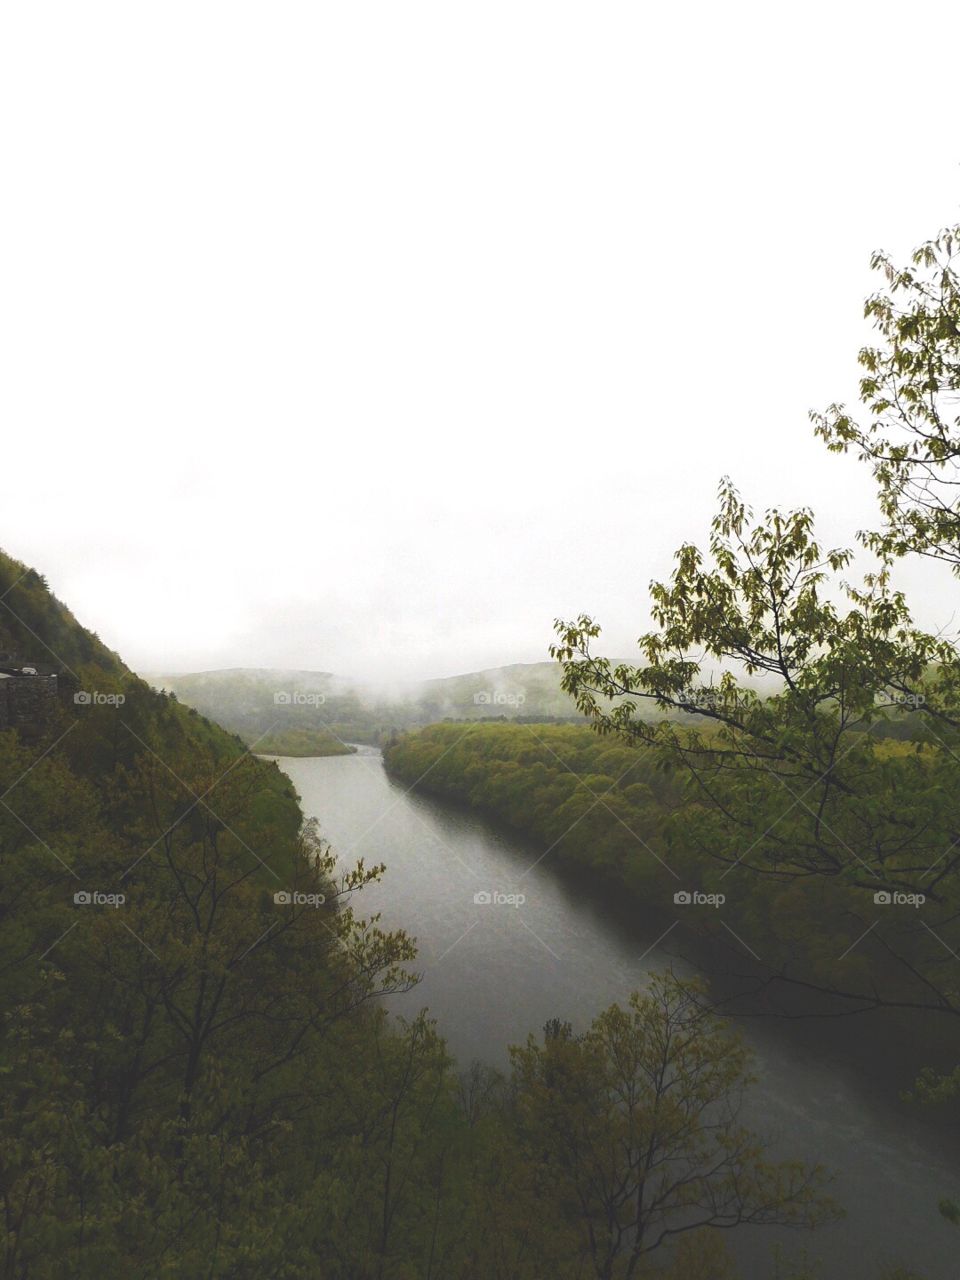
column 604, row 811
column 197, row 1077
column 252, row 702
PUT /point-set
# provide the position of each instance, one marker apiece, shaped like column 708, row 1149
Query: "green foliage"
column 599, row 806
column 197, row 1077
column 34, row 623
column 633, row 1126
column 791, row 790
column 909, row 385
column 301, row 742
column 789, row 787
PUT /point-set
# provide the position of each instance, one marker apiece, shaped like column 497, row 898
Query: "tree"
column 793, row 786
column 790, row 783
column 633, row 1130
column 912, row 441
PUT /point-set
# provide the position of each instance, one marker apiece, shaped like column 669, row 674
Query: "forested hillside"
column 197, row 1078
column 602, row 808
column 254, row 702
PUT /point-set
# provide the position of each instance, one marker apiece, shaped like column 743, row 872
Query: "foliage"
column 601, row 808
column 908, row 388
column 789, row 786
column 791, row 789
column 634, row 1126
column 197, row 1075
column 301, row 742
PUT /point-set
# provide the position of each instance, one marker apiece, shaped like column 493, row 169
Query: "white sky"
column 370, row 337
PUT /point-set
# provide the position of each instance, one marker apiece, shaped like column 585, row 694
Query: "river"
column 493, row 972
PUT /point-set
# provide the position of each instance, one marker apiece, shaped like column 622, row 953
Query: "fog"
column 369, row 339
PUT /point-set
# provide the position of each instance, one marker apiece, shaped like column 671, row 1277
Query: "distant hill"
column 315, row 712
column 256, row 701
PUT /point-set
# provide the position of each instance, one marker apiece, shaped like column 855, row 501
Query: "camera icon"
column 282, row 898
column 882, row 898
column 483, row 898
column 82, row 698
column 281, row 699
column 482, row 699
column 82, row 898
column 682, row 898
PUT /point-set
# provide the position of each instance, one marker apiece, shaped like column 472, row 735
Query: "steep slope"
column 197, row 1076
column 177, row 966
column 108, row 719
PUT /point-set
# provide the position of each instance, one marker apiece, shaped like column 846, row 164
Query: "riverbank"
column 493, row 973
column 607, row 823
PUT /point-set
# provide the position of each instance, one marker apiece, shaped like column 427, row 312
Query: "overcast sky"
column 371, row 337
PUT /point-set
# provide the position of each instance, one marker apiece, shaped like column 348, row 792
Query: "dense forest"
column 602, row 810
column 198, row 1077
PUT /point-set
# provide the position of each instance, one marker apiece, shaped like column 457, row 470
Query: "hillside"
column 197, row 1075
column 252, row 701
column 112, row 723
column 260, row 703
column 604, row 811
column 165, row 1010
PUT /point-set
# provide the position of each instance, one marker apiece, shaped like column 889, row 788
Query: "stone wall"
column 28, row 703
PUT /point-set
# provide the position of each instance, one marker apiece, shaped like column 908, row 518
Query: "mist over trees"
column 199, row 1078
column 260, row 704
column 198, row 1074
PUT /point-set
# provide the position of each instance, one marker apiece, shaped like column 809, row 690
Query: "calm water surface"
column 493, row 973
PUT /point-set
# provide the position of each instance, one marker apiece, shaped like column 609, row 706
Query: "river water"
column 495, row 971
